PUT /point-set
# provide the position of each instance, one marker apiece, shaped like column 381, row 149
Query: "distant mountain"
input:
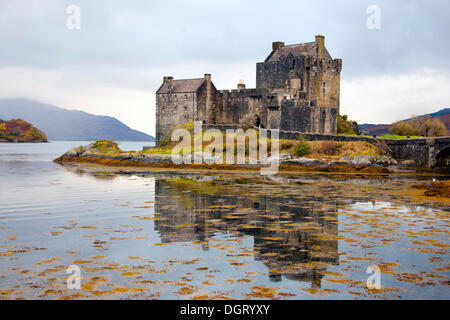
column 442, row 112
column 382, row 129
column 63, row 124
column 445, row 118
column 375, row 129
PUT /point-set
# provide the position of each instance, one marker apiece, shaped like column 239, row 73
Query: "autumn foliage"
column 18, row 130
column 420, row 126
column 346, row 126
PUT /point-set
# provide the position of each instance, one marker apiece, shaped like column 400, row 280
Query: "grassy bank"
column 318, row 149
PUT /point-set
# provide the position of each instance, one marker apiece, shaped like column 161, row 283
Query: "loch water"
column 194, row 236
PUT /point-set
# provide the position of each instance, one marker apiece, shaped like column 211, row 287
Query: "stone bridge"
column 429, row 152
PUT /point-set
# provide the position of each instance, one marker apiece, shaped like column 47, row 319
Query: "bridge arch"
column 443, row 157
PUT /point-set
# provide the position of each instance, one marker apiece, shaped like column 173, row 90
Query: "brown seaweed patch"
column 435, row 189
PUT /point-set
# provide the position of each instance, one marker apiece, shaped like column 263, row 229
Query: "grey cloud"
column 146, row 34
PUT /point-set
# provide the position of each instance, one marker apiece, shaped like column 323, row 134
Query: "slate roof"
column 308, row 48
column 182, row 85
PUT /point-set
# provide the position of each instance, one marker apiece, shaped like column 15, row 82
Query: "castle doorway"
column 257, row 121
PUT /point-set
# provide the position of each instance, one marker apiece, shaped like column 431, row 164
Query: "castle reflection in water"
column 295, row 239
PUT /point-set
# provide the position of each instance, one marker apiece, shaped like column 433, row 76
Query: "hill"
column 382, row 129
column 63, row 124
column 18, row 130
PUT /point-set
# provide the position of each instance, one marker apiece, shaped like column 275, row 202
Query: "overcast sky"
column 115, row 62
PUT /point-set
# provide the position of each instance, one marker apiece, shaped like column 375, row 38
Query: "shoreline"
column 160, row 163
column 24, row 141
column 107, row 154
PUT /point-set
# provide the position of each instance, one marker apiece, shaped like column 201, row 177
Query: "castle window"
column 324, row 87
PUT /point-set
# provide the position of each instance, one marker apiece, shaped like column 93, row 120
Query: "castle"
column 297, row 89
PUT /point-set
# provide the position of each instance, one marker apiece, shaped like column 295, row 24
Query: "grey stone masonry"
column 297, row 89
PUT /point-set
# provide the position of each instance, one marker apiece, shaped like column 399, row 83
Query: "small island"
column 302, row 155
column 18, row 130
column 343, row 160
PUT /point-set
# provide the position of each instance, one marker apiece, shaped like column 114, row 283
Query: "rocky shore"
column 115, row 158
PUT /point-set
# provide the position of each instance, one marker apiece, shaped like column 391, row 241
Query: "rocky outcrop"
column 107, row 153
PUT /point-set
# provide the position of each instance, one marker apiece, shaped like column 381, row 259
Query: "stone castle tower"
column 297, row 89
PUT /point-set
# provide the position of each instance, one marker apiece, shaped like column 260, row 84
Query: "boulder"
column 362, row 160
column 384, row 161
column 75, row 151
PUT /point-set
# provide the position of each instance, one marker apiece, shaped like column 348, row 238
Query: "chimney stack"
column 209, row 101
column 320, row 42
column 169, row 81
column 241, row 85
column 277, row 45
column 166, row 79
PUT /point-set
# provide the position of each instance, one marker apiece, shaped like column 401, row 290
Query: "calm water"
column 171, row 237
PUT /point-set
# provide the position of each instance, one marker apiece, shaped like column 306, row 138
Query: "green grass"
column 396, row 137
column 106, row 146
column 353, row 135
column 386, row 136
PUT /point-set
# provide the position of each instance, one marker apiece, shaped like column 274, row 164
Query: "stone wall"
column 276, row 74
column 308, row 119
column 173, row 109
column 273, row 117
column 206, row 102
column 234, row 105
column 414, row 149
column 294, row 135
